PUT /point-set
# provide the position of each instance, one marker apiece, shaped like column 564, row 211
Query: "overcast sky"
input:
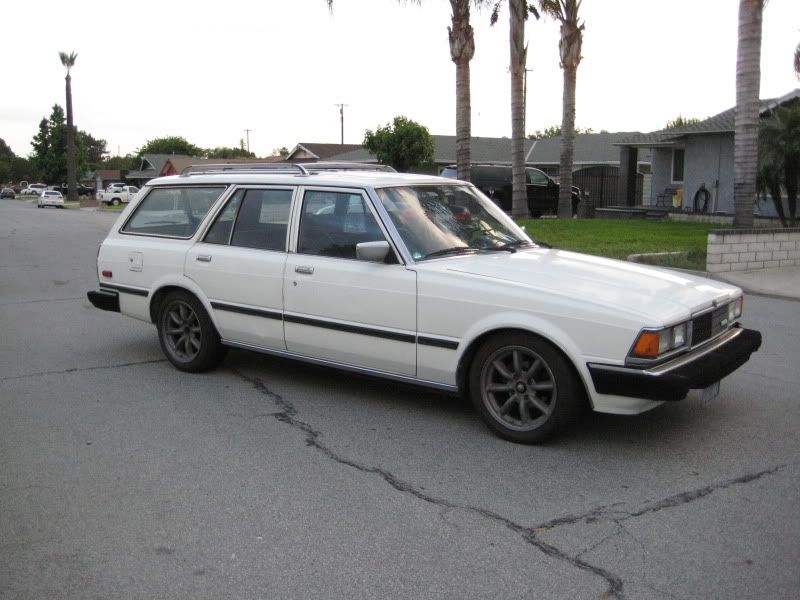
column 150, row 69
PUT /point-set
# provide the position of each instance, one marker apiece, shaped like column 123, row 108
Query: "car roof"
column 349, row 178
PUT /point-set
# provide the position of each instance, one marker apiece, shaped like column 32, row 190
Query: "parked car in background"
column 34, row 189
column 117, row 196
column 417, row 279
column 82, row 190
column 114, row 186
column 495, row 181
column 50, row 198
column 7, row 193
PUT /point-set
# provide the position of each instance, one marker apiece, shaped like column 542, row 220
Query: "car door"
column 239, row 265
column 339, row 308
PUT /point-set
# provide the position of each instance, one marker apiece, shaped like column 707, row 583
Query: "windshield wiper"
column 453, row 250
column 509, row 247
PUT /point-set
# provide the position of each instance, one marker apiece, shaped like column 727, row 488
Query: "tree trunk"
column 519, row 194
column 569, row 46
column 72, row 192
column 748, row 79
column 462, row 49
column 567, row 144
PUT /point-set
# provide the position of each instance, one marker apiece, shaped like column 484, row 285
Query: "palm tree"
column 68, row 60
column 746, row 122
column 779, row 160
column 518, row 14
column 569, row 46
column 462, row 49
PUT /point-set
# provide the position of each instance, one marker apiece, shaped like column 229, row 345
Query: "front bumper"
column 104, row 299
column 674, row 379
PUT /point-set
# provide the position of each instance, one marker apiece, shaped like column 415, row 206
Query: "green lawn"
column 621, row 238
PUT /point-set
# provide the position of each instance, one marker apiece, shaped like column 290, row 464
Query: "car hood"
column 638, row 289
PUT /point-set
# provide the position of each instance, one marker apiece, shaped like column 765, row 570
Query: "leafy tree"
column 68, row 60
column 7, row 157
column 555, row 131
column 681, row 121
column 50, row 149
column 402, row 144
column 123, row 163
column 779, row 161
column 95, row 148
column 170, row 145
column 797, row 61
column 746, row 121
column 223, row 152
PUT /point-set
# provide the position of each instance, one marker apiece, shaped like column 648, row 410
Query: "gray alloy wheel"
column 115, row 202
column 523, row 387
column 187, row 335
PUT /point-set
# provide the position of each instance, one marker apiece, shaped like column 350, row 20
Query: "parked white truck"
column 114, row 196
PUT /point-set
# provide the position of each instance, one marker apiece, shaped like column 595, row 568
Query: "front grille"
column 709, row 325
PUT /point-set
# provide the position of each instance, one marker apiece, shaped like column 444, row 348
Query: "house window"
column 678, row 155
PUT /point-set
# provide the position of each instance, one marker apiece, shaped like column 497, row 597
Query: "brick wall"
column 749, row 249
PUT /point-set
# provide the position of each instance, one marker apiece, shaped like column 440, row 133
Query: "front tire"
column 188, row 337
column 523, row 387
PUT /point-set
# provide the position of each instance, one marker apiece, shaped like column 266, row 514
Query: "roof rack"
column 244, row 168
column 283, row 167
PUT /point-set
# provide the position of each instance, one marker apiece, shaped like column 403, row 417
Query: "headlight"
column 655, row 344
column 735, row 309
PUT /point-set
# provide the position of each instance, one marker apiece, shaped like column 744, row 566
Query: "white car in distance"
column 50, row 198
column 413, row 278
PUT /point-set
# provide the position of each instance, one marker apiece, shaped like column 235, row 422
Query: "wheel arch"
column 163, row 288
column 465, row 360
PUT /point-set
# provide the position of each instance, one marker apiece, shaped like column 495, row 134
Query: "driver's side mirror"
column 372, row 251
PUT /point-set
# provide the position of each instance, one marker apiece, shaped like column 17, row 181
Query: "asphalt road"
column 121, row 477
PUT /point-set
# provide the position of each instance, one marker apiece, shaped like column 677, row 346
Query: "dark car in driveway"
column 7, row 193
column 494, row 180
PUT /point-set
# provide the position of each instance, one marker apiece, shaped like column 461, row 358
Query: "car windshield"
column 440, row 220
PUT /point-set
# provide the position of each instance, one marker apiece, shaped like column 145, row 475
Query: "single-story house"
column 689, row 159
column 161, row 165
column 100, row 178
column 595, row 168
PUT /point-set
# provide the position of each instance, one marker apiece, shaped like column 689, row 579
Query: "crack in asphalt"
column 618, row 515
column 288, row 415
column 83, row 369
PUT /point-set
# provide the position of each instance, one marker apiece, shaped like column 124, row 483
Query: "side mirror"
column 372, row 251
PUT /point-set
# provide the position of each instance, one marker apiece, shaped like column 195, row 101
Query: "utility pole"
column 341, row 118
column 247, row 131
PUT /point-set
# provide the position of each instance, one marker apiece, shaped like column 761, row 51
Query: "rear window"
column 172, row 212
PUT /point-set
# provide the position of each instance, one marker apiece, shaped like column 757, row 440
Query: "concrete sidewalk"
column 783, row 282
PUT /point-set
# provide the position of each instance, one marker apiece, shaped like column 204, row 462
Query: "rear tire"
column 188, row 338
column 115, row 202
column 523, row 387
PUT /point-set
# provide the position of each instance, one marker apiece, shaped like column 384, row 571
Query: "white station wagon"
column 414, row 278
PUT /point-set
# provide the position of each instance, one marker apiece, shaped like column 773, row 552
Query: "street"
column 122, row 477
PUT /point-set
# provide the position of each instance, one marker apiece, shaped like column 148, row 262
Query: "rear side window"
column 253, row 219
column 173, row 211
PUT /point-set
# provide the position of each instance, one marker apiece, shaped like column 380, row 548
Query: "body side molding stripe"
column 125, row 289
column 381, row 333
column 256, row 312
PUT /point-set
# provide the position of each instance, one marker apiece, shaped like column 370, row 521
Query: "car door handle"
column 203, row 258
column 304, row 270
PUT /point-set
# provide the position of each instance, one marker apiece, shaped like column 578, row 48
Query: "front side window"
column 332, row 223
column 172, row 211
column 536, row 177
column 448, row 219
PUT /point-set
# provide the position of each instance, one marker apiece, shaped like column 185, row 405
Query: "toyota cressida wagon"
column 413, row 278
